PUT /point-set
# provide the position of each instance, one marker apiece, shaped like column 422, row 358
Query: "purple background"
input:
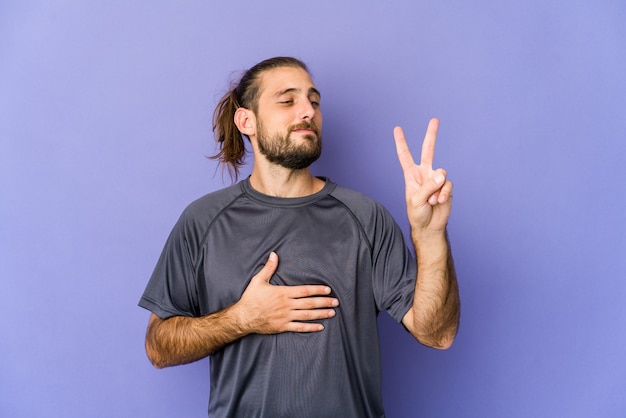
column 105, row 122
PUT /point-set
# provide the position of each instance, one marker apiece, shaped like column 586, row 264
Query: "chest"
column 315, row 245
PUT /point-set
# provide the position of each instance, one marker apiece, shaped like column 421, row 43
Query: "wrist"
column 239, row 320
column 429, row 237
column 233, row 321
column 430, row 245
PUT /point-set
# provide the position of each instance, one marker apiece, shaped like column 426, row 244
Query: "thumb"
column 268, row 269
column 433, row 185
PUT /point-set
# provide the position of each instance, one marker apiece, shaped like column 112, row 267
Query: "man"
column 280, row 277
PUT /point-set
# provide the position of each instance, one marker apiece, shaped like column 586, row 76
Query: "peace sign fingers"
column 424, row 171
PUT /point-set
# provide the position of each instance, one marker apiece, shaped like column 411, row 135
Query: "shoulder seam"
column 217, row 215
column 356, row 220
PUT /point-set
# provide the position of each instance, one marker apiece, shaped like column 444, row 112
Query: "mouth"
column 305, row 130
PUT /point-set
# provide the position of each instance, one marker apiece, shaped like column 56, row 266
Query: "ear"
column 245, row 120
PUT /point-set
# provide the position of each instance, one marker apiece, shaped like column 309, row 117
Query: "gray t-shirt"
column 335, row 237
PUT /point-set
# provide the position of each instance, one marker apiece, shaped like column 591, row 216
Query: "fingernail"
column 273, row 256
column 335, row 302
column 439, row 179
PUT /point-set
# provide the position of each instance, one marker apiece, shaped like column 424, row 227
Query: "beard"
column 282, row 150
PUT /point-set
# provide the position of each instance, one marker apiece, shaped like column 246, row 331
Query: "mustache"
column 305, row 125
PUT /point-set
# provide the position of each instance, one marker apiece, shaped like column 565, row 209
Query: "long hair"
column 245, row 94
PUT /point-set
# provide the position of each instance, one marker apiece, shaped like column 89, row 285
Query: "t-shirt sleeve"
column 394, row 267
column 172, row 289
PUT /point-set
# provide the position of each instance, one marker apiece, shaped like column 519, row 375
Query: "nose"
column 307, row 111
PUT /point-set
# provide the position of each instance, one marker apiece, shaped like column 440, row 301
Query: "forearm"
column 436, row 305
column 180, row 340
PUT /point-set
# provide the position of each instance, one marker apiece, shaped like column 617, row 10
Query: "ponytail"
column 232, row 148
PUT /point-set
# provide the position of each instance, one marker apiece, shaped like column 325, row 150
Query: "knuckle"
column 299, row 327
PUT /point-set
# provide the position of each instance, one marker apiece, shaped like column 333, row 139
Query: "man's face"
column 289, row 119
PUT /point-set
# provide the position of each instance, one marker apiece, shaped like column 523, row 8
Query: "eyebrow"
column 312, row 90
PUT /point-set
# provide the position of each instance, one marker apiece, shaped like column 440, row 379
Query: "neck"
column 282, row 182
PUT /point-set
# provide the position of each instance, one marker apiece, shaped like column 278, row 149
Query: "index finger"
column 402, row 148
column 428, row 146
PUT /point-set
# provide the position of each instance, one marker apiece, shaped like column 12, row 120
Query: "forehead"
column 273, row 82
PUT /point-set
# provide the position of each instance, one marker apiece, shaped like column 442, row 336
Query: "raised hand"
column 268, row 309
column 428, row 192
